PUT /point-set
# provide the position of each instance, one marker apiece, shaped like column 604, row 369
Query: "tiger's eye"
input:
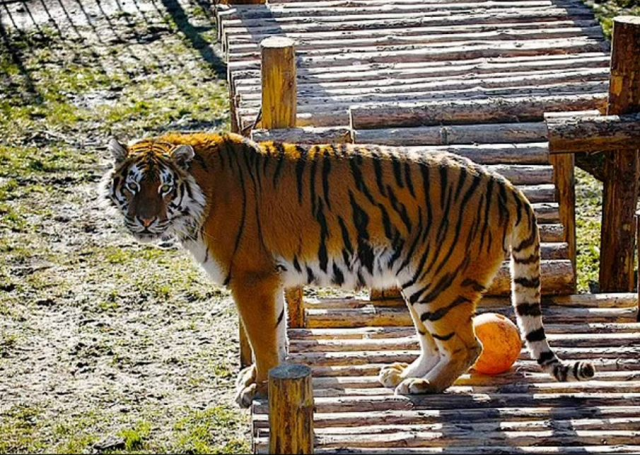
column 165, row 188
column 132, row 186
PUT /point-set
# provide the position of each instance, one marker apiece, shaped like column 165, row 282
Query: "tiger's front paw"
column 391, row 375
column 246, row 377
column 416, row 386
column 246, row 395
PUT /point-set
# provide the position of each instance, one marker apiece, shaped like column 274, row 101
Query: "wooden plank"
column 490, row 450
column 488, row 154
column 523, row 109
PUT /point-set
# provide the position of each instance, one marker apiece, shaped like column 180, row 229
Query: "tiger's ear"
column 118, row 150
column 182, row 155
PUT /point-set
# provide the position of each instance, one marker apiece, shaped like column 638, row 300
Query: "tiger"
column 262, row 217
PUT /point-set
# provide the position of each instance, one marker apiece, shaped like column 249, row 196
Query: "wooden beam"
column 593, row 134
column 290, row 410
column 564, row 178
column 622, row 169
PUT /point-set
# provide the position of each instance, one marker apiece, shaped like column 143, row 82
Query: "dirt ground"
column 105, row 345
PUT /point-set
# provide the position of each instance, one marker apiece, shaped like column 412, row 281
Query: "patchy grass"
column 588, row 221
column 606, row 10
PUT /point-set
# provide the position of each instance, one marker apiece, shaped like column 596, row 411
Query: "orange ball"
column 501, row 343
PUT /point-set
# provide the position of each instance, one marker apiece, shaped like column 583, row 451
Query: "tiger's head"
column 150, row 185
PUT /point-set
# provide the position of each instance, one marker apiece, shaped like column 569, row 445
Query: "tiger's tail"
column 525, row 289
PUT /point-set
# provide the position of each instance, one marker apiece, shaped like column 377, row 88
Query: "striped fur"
column 261, row 217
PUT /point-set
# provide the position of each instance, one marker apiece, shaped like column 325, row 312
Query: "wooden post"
column 622, row 168
column 290, row 410
column 564, row 179
column 638, row 279
column 279, row 94
column 279, row 108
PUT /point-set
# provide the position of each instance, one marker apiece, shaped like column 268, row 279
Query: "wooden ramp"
column 474, row 78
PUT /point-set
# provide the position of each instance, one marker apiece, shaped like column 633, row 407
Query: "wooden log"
column 290, row 410
column 454, row 134
column 441, row 92
column 489, row 450
column 295, row 307
column 622, row 169
column 427, row 69
column 510, row 416
column 318, row 41
column 638, row 278
column 404, row 10
column 261, row 26
column 308, row 135
column 593, row 134
column 491, row 154
column 471, row 401
column 373, row 315
column 500, row 110
column 563, row 174
column 279, row 96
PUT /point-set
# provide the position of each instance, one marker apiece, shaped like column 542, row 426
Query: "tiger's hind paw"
column 416, row 386
column 391, row 375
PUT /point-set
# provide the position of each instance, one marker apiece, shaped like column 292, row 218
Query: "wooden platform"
column 472, row 77
column 524, row 411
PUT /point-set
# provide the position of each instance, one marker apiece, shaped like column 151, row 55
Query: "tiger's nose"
column 146, row 222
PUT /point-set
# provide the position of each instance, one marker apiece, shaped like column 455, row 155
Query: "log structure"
column 475, row 78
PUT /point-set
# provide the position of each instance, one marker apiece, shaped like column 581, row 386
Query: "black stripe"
column 296, row 264
column 528, row 283
column 529, row 309
column 534, row 258
column 310, row 276
column 536, row 335
column 386, row 223
column 397, row 170
column 576, row 369
column 355, row 162
column 444, row 175
column 312, row 184
column 280, row 318
column 338, row 276
column 446, row 337
column 281, row 156
column 377, row 167
column 242, row 223
column 546, row 357
column 473, row 284
column 399, row 208
column 360, row 218
column 326, row 170
column 442, row 312
column 516, row 197
column 324, row 233
column 201, row 162
column 300, row 165
column 439, row 288
column 407, row 178
column 421, row 332
column 533, row 236
column 461, row 180
column 345, row 235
